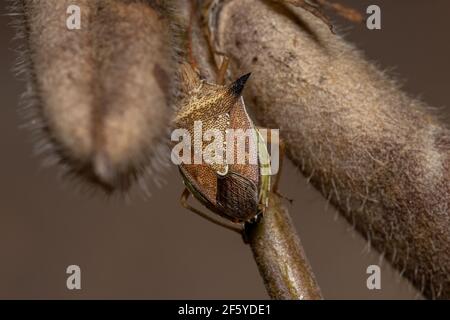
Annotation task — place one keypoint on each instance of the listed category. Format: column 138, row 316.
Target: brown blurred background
column 155, row 249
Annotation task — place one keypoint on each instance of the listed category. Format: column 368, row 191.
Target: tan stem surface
column 377, row 154
column 280, row 257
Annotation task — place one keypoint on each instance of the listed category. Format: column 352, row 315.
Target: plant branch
column 378, row 155
column 279, row 255
column 274, row 242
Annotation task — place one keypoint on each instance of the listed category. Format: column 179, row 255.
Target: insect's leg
column 184, row 202
column 276, row 182
column 208, row 33
column 348, row 13
column 222, row 71
column 281, row 148
column 312, row 7
column 190, row 54
column 280, row 168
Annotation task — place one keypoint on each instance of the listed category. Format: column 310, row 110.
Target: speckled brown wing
column 221, row 123
column 203, row 181
column 238, row 191
column 237, row 196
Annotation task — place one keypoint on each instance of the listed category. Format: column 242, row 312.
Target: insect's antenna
column 346, row 12
column 191, row 58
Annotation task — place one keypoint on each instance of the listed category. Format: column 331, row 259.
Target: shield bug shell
column 235, row 190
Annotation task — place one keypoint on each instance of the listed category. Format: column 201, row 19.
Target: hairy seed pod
column 101, row 94
column 374, row 152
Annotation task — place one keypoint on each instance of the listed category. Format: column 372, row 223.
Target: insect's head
column 203, row 100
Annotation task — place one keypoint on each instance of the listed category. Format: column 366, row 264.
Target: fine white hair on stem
column 381, row 156
column 98, row 99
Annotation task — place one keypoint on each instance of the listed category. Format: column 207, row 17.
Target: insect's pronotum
column 373, row 151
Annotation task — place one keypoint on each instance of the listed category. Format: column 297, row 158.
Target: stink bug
column 239, row 191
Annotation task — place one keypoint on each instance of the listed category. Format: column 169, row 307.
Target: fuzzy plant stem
column 280, row 257
column 116, row 72
column 378, row 155
column 274, row 242
column 94, row 93
column 375, row 153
